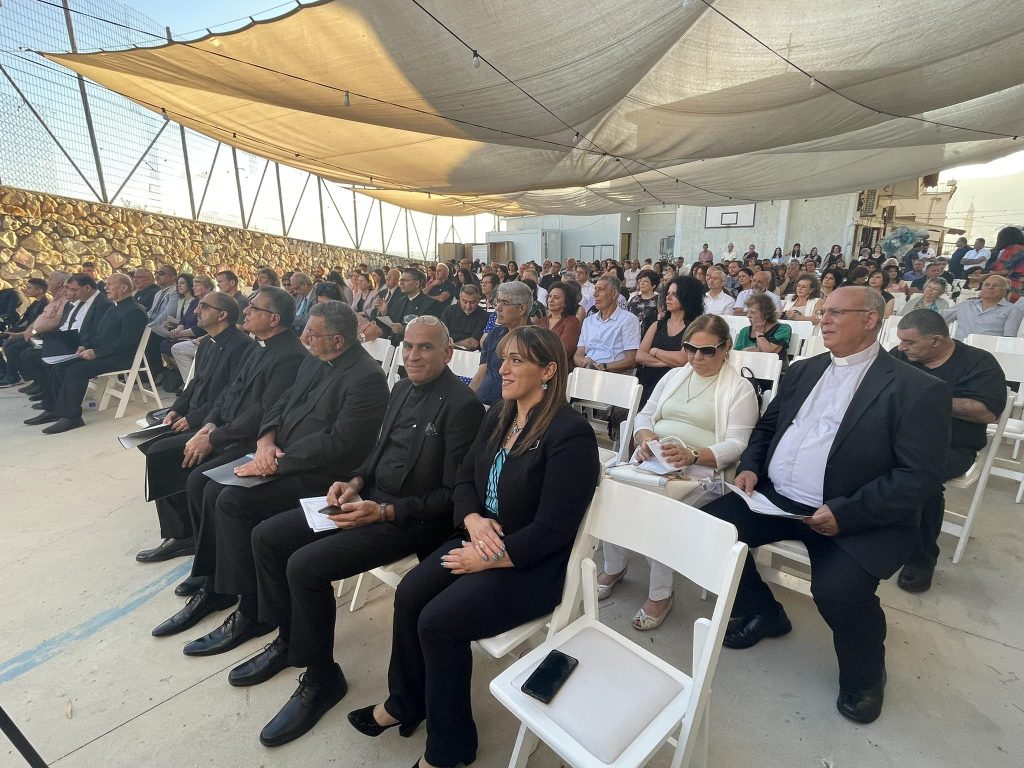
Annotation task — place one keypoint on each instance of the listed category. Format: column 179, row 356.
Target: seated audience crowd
column 486, row 484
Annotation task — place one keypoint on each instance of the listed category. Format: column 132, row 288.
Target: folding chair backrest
column 801, row 331
column 736, row 324
column 764, row 365
column 607, row 388
column 995, row 344
column 380, row 350
column 392, row 371
column 814, row 345
column 465, row 363
column 1012, row 364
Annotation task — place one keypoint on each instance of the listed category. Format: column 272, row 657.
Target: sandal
column 605, row 590
column 643, row 622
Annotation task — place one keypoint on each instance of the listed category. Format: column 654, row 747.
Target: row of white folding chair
column 382, row 351
column 623, row 703
column 800, row 331
column 763, row 365
column 109, row 385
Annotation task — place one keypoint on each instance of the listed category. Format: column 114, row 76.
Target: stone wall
column 40, row 233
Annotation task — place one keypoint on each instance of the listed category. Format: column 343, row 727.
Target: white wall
column 576, row 231
column 655, row 224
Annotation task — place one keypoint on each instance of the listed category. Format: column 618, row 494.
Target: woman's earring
column 544, row 385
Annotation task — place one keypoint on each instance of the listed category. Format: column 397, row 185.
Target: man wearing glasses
column 319, row 430
column 852, row 445
column 412, row 303
column 217, row 363
column 230, row 427
column 511, row 308
column 163, row 305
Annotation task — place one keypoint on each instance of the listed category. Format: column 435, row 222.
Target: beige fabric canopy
column 674, row 101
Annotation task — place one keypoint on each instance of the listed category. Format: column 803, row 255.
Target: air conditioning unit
column 889, row 214
column 867, row 202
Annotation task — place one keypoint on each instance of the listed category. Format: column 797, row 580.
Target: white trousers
column 184, row 353
column 660, row 586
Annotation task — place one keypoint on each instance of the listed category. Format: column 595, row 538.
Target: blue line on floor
column 32, row 658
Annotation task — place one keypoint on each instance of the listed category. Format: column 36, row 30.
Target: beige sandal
column 605, row 590
column 644, row 622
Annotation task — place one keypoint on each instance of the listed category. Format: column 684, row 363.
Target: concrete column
column 783, row 209
column 678, row 242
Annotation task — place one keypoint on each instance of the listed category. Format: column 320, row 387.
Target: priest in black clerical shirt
column 323, row 427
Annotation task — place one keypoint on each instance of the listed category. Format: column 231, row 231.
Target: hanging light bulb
column 345, row 100
column 576, row 138
column 813, row 83
column 476, row 60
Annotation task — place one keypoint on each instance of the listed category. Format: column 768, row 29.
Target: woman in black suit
column 519, row 499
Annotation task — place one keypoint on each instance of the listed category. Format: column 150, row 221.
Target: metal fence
column 64, row 135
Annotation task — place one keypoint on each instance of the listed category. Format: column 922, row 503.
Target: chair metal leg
column 526, row 744
column 359, row 593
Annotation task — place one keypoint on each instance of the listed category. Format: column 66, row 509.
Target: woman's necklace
column 691, row 398
column 515, row 430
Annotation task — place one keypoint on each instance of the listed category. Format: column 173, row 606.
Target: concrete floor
column 89, row 686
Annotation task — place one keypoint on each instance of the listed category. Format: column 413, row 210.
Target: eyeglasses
column 835, row 314
column 261, row 309
column 204, row 305
column 507, row 303
column 322, row 335
column 690, row 349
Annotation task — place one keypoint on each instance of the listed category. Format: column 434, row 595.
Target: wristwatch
column 695, row 454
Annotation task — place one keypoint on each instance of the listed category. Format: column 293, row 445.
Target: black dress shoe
column 235, row 630
column 862, row 706
column 167, row 549
column 364, row 722
column 190, row 586
column 43, row 418
column 311, row 700
column 915, row 578
column 64, row 425
column 30, row 389
column 38, row 406
column 9, row 382
column 468, row 762
column 261, row 667
column 199, row 606
column 36, row 397
column 745, row 631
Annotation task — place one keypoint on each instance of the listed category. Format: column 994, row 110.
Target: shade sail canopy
column 598, row 106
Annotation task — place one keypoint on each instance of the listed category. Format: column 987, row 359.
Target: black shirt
column 446, row 287
column 919, row 283
column 974, row 374
column 391, row 464
column 462, row 326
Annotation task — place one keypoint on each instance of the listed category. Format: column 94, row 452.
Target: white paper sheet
column 55, row 359
column 760, row 503
column 318, row 522
column 133, row 439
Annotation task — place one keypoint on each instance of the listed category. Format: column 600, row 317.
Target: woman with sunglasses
column 520, row 496
column 712, row 409
column 765, row 333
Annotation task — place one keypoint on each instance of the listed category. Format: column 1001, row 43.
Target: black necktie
column 74, row 314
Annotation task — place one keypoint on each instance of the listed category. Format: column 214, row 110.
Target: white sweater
column 735, row 411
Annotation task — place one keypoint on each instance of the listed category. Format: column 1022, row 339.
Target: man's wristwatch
column 695, row 454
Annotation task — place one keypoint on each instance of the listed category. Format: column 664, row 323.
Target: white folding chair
column 598, row 389
column 785, row 563
column 899, row 301
column 960, row 525
column 109, row 385
column 1012, row 363
column 623, row 703
column 465, row 363
column 381, row 350
column 764, row 365
column 736, row 324
column 801, row 331
column 814, row 345
column 392, row 370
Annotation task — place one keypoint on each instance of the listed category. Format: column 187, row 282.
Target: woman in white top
column 805, row 298
column 712, row 409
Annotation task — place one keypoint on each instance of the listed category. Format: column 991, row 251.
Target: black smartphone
column 549, row 676
column 329, row 510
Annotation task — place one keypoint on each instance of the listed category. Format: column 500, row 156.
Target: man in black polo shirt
column 466, row 320
column 979, row 395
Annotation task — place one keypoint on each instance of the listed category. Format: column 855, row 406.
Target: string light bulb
column 576, row 138
column 345, row 100
column 812, row 84
column 476, row 60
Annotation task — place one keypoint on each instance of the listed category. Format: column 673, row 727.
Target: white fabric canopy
column 673, row 101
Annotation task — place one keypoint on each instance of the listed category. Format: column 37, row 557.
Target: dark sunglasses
column 690, row 349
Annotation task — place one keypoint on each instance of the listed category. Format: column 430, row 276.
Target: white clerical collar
column 859, row 358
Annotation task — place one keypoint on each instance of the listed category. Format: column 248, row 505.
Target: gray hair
column 926, row 322
column 516, row 293
column 302, row 278
column 205, row 281
column 339, row 318
column 612, row 281
column 281, row 304
column 470, row 290
column 943, row 285
column 117, row 277
column 874, row 301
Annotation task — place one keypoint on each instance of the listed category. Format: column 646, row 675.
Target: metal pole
column 408, row 246
column 380, row 210
column 137, row 164
column 355, row 218
column 19, row 741
column 238, row 186
column 320, row 197
column 184, row 152
column 85, row 106
column 280, row 197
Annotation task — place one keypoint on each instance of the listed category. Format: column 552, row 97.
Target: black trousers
column 67, row 384
column 436, row 616
column 926, row 548
column 228, row 516
column 32, row 365
column 153, row 356
column 295, row 568
column 13, row 350
column 843, row 591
